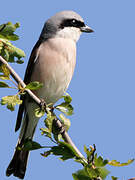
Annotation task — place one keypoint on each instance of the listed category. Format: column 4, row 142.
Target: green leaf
column 7, row 31
column 118, row 164
column 11, row 101
column 49, row 124
column 49, row 121
column 57, row 137
column 4, row 77
column 46, row 153
column 103, row 172
column 30, row 145
column 99, row 162
column 81, row 175
column 88, row 152
column 95, row 167
column 114, row 178
column 9, row 52
column 69, row 151
column 3, row 85
column 6, row 72
column 89, row 173
column 66, row 108
column 92, row 172
column 6, row 53
column 39, row 113
column 64, row 150
column 97, row 172
column 46, row 132
column 19, row 61
column 34, row 85
column 67, row 98
column 65, row 121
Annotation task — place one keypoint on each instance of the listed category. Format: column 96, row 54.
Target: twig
column 13, row 82
column 64, row 134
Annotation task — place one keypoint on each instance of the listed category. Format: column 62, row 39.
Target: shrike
column 52, row 63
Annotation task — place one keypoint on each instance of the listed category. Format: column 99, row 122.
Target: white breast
column 54, row 67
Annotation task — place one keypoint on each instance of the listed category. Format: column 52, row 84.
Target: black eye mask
column 71, row 23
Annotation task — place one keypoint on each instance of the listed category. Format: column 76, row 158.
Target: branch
column 64, row 134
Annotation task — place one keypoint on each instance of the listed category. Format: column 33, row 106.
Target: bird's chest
column 54, row 68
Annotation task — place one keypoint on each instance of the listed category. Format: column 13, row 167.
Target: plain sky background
column 103, row 86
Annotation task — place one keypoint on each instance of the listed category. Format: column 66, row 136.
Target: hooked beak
column 86, row 29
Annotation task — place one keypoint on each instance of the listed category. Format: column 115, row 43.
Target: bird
column 52, row 63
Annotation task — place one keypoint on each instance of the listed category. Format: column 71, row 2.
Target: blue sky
column 102, row 88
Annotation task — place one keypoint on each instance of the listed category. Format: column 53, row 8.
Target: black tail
column 18, row 164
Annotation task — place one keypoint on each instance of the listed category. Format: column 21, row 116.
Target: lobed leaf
column 46, row 153
column 67, row 98
column 49, row 126
column 81, row 175
column 68, row 151
column 9, row 52
column 118, row 164
column 30, row 145
column 64, row 150
column 11, row 101
column 49, row 121
column 39, row 113
column 100, row 162
column 88, row 152
column 66, row 108
column 89, row 173
column 103, row 172
column 46, row 132
column 35, row 85
column 19, row 61
column 5, row 70
column 7, row 31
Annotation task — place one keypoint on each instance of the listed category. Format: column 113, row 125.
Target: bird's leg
column 43, row 105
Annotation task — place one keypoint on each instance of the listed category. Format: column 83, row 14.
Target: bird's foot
column 43, row 105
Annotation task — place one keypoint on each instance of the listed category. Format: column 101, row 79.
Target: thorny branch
column 64, row 134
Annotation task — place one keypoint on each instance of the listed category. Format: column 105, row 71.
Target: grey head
column 65, row 24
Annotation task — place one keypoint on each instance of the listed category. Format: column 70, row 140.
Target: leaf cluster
column 66, row 106
column 63, row 149
column 7, row 50
column 94, row 168
column 12, row 100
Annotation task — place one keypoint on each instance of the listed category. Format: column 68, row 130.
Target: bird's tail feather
column 18, row 164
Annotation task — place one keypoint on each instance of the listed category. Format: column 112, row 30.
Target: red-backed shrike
column 52, row 63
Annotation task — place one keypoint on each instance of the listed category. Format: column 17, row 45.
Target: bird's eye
column 73, row 21
column 76, row 23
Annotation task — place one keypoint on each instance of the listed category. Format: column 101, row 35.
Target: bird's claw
column 43, row 105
